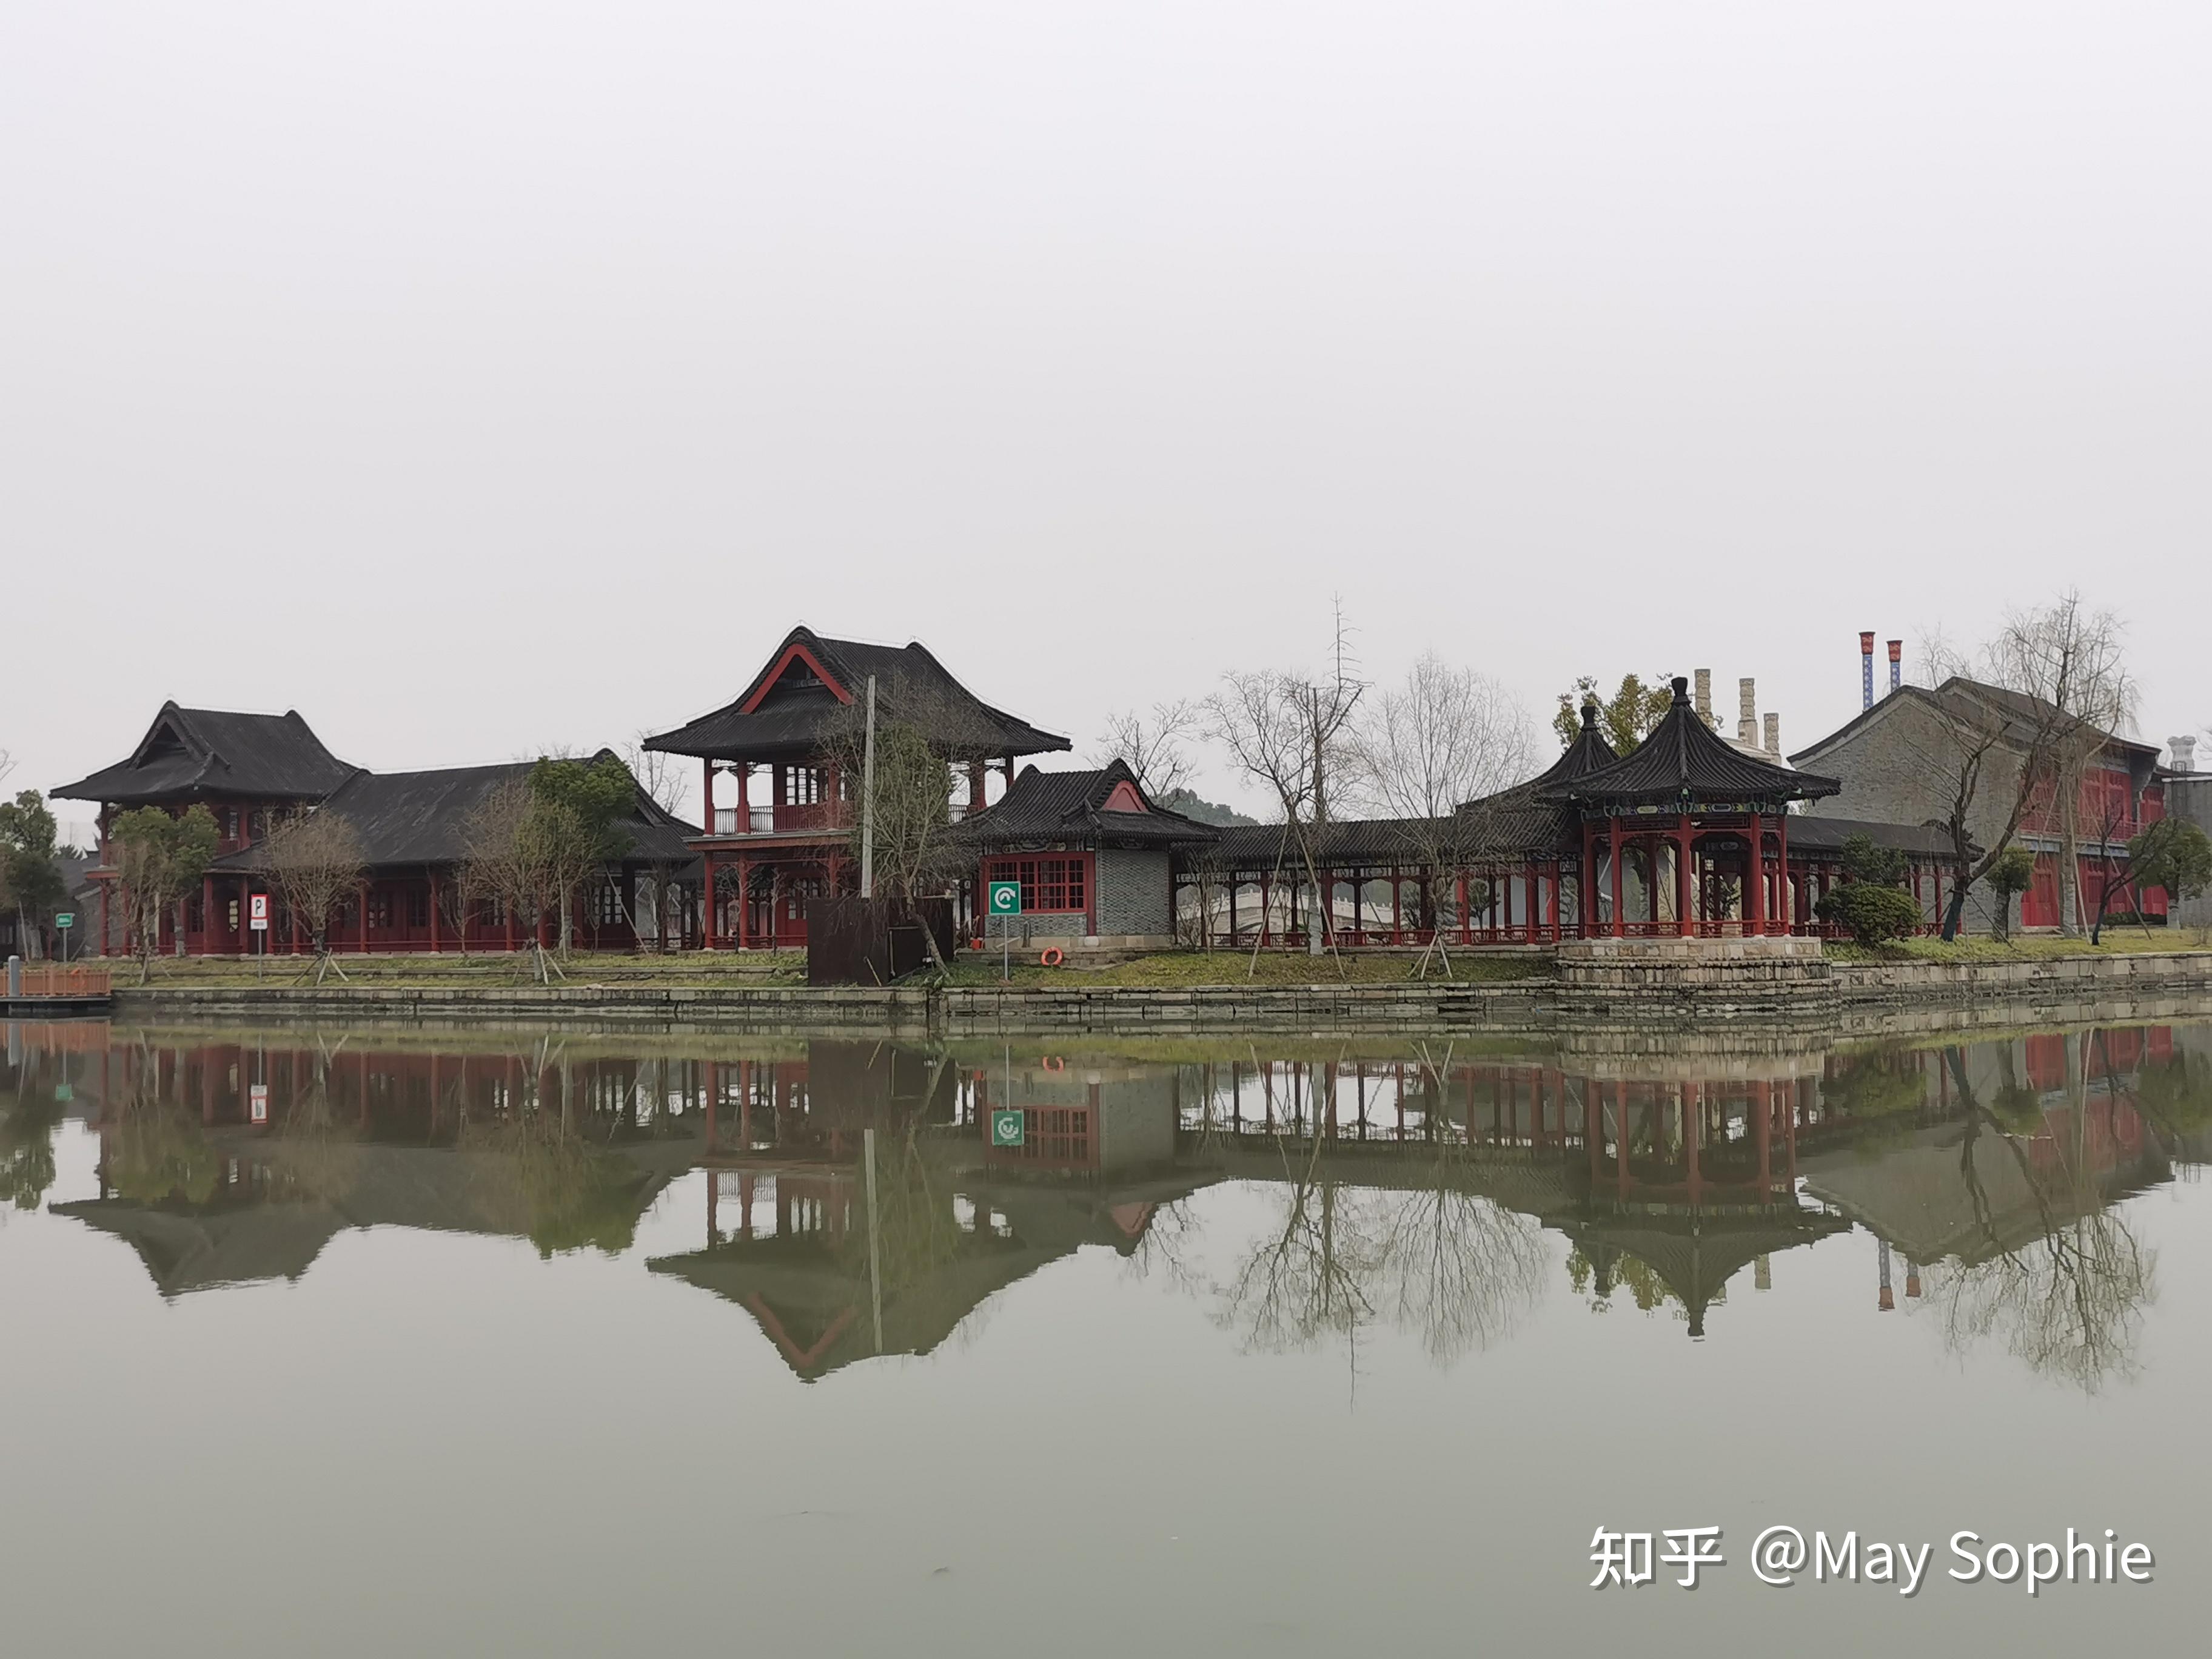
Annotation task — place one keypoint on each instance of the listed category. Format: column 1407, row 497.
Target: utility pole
column 868, row 800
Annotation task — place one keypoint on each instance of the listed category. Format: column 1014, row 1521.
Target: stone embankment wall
column 1616, row 990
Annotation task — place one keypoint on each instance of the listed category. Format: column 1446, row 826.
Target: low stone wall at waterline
column 1601, row 985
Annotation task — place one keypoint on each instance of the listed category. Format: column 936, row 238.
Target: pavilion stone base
column 1712, row 974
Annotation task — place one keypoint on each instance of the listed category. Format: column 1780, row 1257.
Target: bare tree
column 908, row 816
column 1289, row 734
column 1155, row 745
column 1432, row 754
column 505, row 859
column 657, row 773
column 314, row 858
column 2014, row 733
column 2068, row 659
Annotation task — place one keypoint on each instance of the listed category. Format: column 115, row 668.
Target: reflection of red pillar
column 1763, row 1097
column 1694, row 1123
column 1593, row 1126
column 1913, row 1280
column 1620, row 1134
column 713, row 1115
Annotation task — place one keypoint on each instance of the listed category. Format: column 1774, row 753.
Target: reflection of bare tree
column 1437, row 1259
column 2067, row 1300
column 1306, row 1279
column 1462, row 1270
column 321, row 1153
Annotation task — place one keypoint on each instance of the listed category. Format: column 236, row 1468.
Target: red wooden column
column 1754, row 879
column 1587, row 893
column 433, row 882
column 1785, row 903
column 1619, row 921
column 1551, row 905
column 707, row 937
column 745, row 798
column 207, row 915
column 709, row 795
column 1686, row 916
column 103, row 918
column 361, row 905
column 745, row 890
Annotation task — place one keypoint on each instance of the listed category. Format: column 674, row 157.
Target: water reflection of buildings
column 853, row 1209
column 224, row 1163
column 853, row 1206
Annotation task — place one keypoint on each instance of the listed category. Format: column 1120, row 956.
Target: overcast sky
column 476, row 377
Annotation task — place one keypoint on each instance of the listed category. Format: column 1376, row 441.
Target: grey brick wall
column 1135, row 893
column 1902, row 768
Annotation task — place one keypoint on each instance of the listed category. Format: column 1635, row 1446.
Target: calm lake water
column 389, row 1342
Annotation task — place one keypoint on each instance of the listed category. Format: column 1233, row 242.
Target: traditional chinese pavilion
column 783, row 838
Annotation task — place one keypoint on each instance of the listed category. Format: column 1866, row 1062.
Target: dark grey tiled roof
column 1685, row 760
column 188, row 753
column 1068, row 807
column 802, row 718
column 408, row 819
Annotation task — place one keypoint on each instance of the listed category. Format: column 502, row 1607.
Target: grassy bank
column 2036, row 947
column 728, row 970
column 1188, row 970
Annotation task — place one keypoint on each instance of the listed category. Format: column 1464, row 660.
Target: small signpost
column 257, row 919
column 1008, row 1127
column 63, row 920
column 257, row 1103
column 1003, row 902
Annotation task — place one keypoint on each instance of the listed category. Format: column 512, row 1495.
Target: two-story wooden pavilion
column 246, row 768
column 783, row 840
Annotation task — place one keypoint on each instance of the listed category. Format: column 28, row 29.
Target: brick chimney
column 2185, row 753
column 1774, row 736
column 1704, row 696
column 1746, row 711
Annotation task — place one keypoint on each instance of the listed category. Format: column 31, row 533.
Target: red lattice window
column 1050, row 885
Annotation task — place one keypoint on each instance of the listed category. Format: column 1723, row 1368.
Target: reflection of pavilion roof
column 1916, row 1197
column 817, row 1309
column 1696, row 1254
column 185, row 1250
column 425, row 1188
column 817, row 1312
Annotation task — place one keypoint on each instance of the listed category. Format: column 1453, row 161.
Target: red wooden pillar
column 1785, row 900
column 1551, row 904
column 1754, row 879
column 744, row 893
column 707, row 934
column 207, row 917
column 745, row 798
column 1685, row 917
column 434, row 946
column 709, row 796
column 1267, row 911
column 361, row 901
column 103, row 918
column 1619, row 921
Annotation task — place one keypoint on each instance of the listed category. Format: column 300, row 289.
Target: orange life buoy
column 1053, row 957
column 1055, row 1063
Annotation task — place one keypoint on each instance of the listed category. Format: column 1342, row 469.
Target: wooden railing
column 54, row 980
